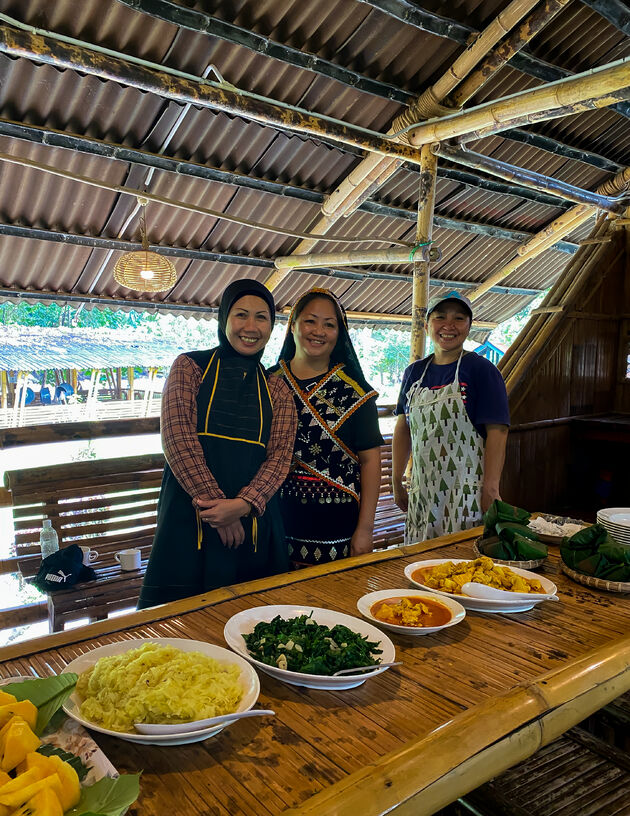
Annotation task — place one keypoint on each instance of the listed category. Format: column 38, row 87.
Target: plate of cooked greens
column 305, row 645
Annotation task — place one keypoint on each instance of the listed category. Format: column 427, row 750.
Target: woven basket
column 596, row 583
column 527, row 565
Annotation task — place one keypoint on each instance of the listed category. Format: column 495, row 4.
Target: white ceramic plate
column 248, row 679
column 619, row 516
column 479, row 604
column 243, row 624
column 365, row 604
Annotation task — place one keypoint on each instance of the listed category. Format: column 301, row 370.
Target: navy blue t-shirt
column 481, row 386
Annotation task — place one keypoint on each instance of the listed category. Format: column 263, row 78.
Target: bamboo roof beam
column 528, row 178
column 373, row 171
column 410, row 14
column 558, row 228
column 159, row 161
column 202, row 93
column 232, row 259
column 424, row 233
column 597, row 88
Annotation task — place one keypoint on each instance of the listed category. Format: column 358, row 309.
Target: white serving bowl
column 243, row 624
column 365, row 604
column 248, row 679
column 484, row 604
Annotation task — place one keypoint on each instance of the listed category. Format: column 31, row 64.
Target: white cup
column 89, row 556
column 128, row 559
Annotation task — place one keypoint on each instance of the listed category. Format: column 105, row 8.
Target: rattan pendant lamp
column 142, row 270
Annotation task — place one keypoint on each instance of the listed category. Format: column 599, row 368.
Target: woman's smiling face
column 316, row 329
column 248, row 326
column 449, row 325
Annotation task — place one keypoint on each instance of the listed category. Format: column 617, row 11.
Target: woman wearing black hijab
column 329, row 499
column 227, row 434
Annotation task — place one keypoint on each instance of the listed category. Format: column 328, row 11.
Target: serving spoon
column 341, row 672
column 198, row 725
column 488, row 593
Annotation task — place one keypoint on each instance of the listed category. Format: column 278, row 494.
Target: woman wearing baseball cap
column 453, row 422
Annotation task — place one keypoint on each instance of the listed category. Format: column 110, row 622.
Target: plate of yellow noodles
column 446, row 577
column 159, row 680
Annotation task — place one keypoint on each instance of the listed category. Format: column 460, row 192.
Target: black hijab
column 344, row 350
column 235, row 291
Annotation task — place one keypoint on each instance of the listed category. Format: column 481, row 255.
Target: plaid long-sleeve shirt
column 184, row 453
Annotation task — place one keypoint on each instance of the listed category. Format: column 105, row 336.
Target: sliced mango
column 24, row 709
column 35, row 760
column 71, row 786
column 6, row 698
column 44, row 803
column 15, row 744
column 22, row 781
column 4, row 778
column 19, row 797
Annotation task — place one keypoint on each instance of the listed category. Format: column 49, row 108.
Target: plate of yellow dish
column 410, row 612
column 445, row 577
column 159, row 680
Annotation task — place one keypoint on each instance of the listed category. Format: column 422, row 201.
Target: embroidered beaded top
column 336, row 419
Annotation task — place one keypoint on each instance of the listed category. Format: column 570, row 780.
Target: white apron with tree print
column 447, row 462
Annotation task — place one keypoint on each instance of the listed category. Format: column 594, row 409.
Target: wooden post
column 74, row 380
column 119, row 383
column 3, row 377
column 424, row 231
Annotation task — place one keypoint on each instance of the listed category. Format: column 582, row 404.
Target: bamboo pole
column 424, row 232
column 381, row 256
column 545, row 239
column 521, row 35
column 427, row 773
column 374, row 170
column 481, row 45
column 205, row 94
column 3, row 378
column 526, row 178
column 597, row 88
column 590, row 260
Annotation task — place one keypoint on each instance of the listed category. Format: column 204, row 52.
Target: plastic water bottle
column 48, row 540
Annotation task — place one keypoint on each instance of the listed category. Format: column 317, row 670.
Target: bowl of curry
column 410, row 612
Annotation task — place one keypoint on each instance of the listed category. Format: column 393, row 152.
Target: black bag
column 63, row 569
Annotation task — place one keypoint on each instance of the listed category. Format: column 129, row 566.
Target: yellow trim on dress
column 255, row 533
column 260, row 429
column 232, row 438
column 199, row 528
column 214, row 388
column 343, row 376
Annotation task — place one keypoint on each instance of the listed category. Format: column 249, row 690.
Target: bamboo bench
column 111, row 505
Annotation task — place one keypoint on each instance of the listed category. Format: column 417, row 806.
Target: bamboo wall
column 580, row 371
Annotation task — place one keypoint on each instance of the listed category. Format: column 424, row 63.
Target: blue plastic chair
column 63, row 391
column 44, row 395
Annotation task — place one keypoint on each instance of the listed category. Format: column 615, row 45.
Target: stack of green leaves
column 506, row 535
column 593, row 551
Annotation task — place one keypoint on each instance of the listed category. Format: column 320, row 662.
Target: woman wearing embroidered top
column 453, row 422
column 329, row 498
column 227, row 433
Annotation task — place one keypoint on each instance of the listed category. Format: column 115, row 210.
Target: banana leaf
column 502, row 511
column 506, row 530
column 518, row 549
column 592, row 551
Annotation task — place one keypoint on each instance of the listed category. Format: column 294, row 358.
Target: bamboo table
column 466, row 704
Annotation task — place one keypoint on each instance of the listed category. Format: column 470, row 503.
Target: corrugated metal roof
column 40, row 348
column 349, row 33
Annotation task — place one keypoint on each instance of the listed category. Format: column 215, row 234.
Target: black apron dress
column 234, row 413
